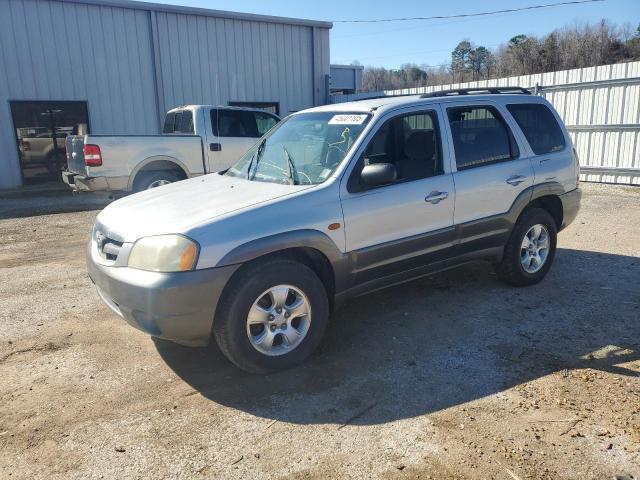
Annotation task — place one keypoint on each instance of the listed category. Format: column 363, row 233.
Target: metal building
column 116, row 66
column 345, row 79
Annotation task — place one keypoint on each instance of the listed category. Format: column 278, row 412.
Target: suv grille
column 109, row 248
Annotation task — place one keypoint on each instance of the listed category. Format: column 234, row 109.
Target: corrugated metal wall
column 216, row 60
column 132, row 63
column 599, row 105
column 62, row 51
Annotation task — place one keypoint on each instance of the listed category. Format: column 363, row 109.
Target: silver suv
column 334, row 202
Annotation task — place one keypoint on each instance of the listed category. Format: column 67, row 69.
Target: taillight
column 26, row 146
column 92, row 155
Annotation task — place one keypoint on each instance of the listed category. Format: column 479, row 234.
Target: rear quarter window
column 539, row 126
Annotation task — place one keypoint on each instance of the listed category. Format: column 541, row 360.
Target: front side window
column 409, row 142
column 304, row 149
column 480, row 137
column 241, row 123
column 234, row 123
column 539, row 126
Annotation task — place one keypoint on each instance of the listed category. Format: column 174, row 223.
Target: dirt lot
column 455, row 376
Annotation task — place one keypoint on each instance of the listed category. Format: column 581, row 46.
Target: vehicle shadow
column 438, row 342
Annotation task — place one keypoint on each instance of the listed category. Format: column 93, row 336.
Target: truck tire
column 530, row 250
column 272, row 315
column 153, row 179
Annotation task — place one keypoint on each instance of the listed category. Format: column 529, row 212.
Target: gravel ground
column 452, row 376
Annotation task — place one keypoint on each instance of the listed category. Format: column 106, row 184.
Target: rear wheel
column 154, row 179
column 272, row 316
column 531, row 249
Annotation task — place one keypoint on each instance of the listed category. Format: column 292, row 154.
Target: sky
column 427, row 42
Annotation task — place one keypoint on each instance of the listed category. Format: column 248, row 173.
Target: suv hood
column 176, row 207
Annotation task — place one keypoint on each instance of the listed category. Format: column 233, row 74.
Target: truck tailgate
column 75, row 157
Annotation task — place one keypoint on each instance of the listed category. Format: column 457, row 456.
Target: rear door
column 490, row 172
column 234, row 132
column 553, row 160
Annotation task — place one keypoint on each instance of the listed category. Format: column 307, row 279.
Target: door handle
column 215, row 147
column 515, row 180
column 435, row 197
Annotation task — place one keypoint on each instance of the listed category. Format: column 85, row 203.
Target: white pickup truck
column 196, row 139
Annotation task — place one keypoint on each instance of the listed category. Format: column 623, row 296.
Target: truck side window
column 186, row 123
column 169, row 122
column 539, row 127
column 480, row 137
column 234, row 123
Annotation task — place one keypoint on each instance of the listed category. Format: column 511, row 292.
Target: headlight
column 164, row 253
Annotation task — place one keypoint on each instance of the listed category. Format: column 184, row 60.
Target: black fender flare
column 305, row 238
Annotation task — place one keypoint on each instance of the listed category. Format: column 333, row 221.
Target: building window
column 41, row 130
column 271, row 107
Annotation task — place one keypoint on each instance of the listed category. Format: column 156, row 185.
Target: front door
column 407, row 223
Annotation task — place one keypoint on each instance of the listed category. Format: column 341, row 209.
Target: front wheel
column 272, row 315
column 530, row 250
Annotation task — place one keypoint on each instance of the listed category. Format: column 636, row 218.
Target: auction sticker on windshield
column 347, row 119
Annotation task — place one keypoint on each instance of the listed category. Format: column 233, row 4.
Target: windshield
column 303, row 150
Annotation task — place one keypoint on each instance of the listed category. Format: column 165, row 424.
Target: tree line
column 569, row 47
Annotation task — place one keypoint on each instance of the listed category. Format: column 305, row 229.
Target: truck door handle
column 215, row 147
column 435, row 197
column 515, row 180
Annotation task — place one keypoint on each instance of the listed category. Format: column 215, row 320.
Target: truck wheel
column 530, row 250
column 272, row 316
column 154, row 179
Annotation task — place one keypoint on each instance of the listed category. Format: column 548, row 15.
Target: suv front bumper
column 174, row 306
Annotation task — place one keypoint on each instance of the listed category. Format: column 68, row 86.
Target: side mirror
column 378, row 174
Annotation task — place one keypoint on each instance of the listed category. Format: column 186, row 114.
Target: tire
column 512, row 269
column 146, row 180
column 250, row 284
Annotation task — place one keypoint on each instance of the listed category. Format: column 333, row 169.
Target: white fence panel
column 599, row 105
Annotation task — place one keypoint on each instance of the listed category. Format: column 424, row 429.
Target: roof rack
column 478, row 90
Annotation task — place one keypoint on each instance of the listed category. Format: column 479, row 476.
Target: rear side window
column 237, row 123
column 169, row 121
column 178, row 122
column 480, row 137
column 539, row 126
column 186, row 123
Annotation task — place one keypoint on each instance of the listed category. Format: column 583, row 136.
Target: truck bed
column 123, row 155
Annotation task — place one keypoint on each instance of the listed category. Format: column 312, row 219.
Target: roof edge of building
column 157, row 7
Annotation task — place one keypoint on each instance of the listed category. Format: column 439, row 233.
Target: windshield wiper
column 256, row 156
column 293, row 172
